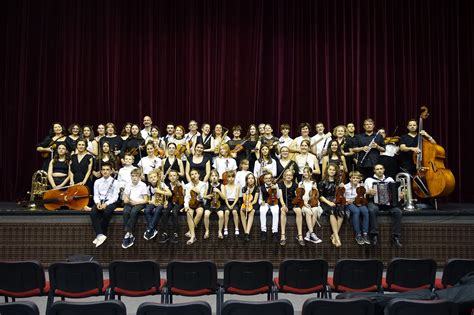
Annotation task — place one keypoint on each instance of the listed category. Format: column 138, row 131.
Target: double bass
column 431, row 171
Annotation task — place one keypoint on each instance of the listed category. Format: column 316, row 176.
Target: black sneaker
column 276, row 238
column 359, row 240
column 153, row 233
column 247, row 237
column 263, row 236
column 374, row 240
column 147, row 234
column 174, row 238
column 366, row 240
column 396, row 242
column 128, row 241
column 164, row 238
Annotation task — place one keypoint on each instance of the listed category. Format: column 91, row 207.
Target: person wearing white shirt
column 320, row 141
column 265, row 206
column 265, row 163
column 124, row 178
column 150, row 162
column 169, row 132
column 106, row 194
column 395, row 212
column 199, row 188
column 224, row 162
column 242, row 174
column 358, row 211
column 146, row 131
column 135, row 197
column 193, row 134
column 285, row 140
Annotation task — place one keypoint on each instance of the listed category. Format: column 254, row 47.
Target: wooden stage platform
column 53, row 236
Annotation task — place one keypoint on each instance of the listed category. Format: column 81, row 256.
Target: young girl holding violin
column 334, row 156
column 198, row 162
column 193, row 204
column 214, row 204
column 231, row 192
column 74, row 135
column 149, row 163
column 304, row 159
column 310, row 208
column 265, row 163
column 224, row 162
column 105, row 156
column 269, row 201
column 249, row 200
column 288, row 193
column 49, row 145
column 172, row 163
column 58, row 169
column 327, row 191
column 242, row 173
column 357, row 205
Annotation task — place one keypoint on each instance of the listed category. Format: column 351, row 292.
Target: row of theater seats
column 196, row 278
column 313, row 306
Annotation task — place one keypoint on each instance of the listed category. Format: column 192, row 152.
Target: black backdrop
column 234, row 62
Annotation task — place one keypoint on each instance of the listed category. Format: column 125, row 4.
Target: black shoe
column 276, row 239
column 247, row 237
column 366, row 240
column 164, row 238
column 396, row 242
column 373, row 240
column 263, row 236
column 174, row 238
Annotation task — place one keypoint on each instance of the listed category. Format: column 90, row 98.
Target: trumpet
column 405, row 180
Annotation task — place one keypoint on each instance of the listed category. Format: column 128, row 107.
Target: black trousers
column 130, row 216
column 101, row 218
column 395, row 212
column 169, row 219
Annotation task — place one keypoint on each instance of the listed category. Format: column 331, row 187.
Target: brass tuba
column 39, row 184
column 405, row 180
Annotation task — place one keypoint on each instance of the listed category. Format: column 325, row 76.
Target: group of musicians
column 339, row 174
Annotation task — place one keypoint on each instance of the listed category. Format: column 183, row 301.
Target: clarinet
column 108, row 190
column 371, row 142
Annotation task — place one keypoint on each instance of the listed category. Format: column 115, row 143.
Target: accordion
column 386, row 194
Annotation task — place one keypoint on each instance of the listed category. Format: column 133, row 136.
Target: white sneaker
column 237, row 232
column 95, row 240
column 307, row 237
column 100, row 240
column 314, row 239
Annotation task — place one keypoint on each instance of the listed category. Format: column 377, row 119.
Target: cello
column 431, row 171
column 75, row 197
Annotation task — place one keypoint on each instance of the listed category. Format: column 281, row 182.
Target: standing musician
column 88, row 136
column 183, row 148
column 305, row 159
column 169, row 132
column 334, row 155
column 172, row 163
column 288, row 190
column 358, row 211
column 193, row 135
column 205, row 139
column 261, row 130
column 327, row 190
column 126, row 131
column 158, row 143
column 146, row 131
column 320, row 141
column 409, row 146
column 304, row 129
column 48, row 146
column 231, row 192
column 311, row 213
column 134, row 144
column 80, row 169
column 252, row 139
column 219, row 138
column 106, row 195
column 149, row 163
column 285, row 140
column 58, row 169
column 115, row 141
column 249, row 201
column 169, row 221
column 105, row 156
column 389, row 158
column 214, row 204
column 237, row 141
column 159, row 193
column 268, row 139
column 265, row 163
column 396, row 213
column 368, row 145
column 75, row 131
column 285, row 163
column 268, row 202
column 224, row 162
column 199, row 188
column 95, row 144
column 198, row 162
column 349, row 144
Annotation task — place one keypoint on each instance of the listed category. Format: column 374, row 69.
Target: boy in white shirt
column 135, row 197
column 124, row 176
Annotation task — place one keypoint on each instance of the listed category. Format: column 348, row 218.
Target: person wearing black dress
column 198, row 162
column 349, row 143
column 285, row 163
column 252, row 136
column 288, row 193
column 205, row 139
column 134, row 144
column 49, row 145
column 81, row 167
column 58, row 168
column 172, row 163
column 75, row 132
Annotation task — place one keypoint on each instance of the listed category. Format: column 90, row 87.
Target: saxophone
column 405, row 185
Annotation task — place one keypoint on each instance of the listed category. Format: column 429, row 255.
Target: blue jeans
column 356, row 213
column 152, row 215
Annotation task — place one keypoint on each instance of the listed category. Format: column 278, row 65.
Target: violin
column 194, row 202
column 314, row 198
column 360, row 199
column 272, row 199
column 75, row 197
column 391, row 140
column 239, row 147
column 340, row 191
column 298, row 200
column 215, row 203
column 433, row 179
column 181, row 148
column 247, row 205
column 52, row 145
column 178, row 195
column 160, row 152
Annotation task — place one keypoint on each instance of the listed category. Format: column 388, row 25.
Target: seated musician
column 231, row 192
column 268, row 202
column 311, row 214
column 199, row 188
column 374, row 206
column 214, row 204
column 135, row 197
column 249, row 200
column 159, row 193
column 288, row 190
column 358, row 211
column 106, row 194
column 169, row 220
